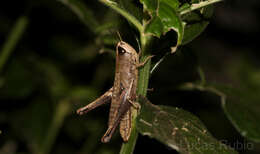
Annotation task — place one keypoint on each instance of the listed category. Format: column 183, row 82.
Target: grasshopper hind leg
column 123, row 110
column 104, row 99
column 125, row 126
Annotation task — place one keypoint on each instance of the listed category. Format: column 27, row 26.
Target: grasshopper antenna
column 118, row 34
column 139, row 47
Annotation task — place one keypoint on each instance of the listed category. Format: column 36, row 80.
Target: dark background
column 57, row 61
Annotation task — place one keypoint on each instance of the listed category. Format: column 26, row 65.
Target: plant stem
column 198, row 6
column 143, row 71
column 13, row 38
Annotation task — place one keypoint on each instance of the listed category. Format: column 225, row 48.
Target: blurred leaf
column 62, row 110
column 19, row 81
column 53, row 78
column 71, row 50
column 245, row 71
column 92, row 139
column 243, row 111
column 32, row 122
column 164, row 17
column 83, row 12
column 177, row 129
column 241, row 108
column 12, row 40
column 120, row 10
column 82, row 94
column 39, row 125
column 240, row 101
column 132, row 7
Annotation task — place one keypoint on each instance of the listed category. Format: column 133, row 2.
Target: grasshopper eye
column 121, row 50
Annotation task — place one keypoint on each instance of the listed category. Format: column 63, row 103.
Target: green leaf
column 196, row 23
column 241, row 108
column 240, row 103
column 164, row 17
column 177, row 129
column 196, row 4
column 242, row 111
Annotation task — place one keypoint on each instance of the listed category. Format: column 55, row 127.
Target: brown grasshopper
column 122, row 95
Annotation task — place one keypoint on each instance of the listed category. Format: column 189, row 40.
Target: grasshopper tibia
column 104, row 99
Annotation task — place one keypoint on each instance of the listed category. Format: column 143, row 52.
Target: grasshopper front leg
column 104, row 99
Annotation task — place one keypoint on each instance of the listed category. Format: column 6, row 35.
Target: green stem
column 125, row 14
column 61, row 112
column 12, row 40
column 144, row 72
column 198, row 6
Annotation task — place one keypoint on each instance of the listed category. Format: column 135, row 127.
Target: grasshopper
column 123, row 93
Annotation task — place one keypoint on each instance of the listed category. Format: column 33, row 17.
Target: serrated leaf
column 177, row 129
column 164, row 17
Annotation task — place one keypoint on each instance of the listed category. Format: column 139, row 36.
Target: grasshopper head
column 125, row 50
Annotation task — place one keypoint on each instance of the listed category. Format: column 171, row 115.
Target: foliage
column 43, row 87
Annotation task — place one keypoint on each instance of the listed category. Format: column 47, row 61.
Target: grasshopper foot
column 82, row 111
column 144, row 62
column 136, row 105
